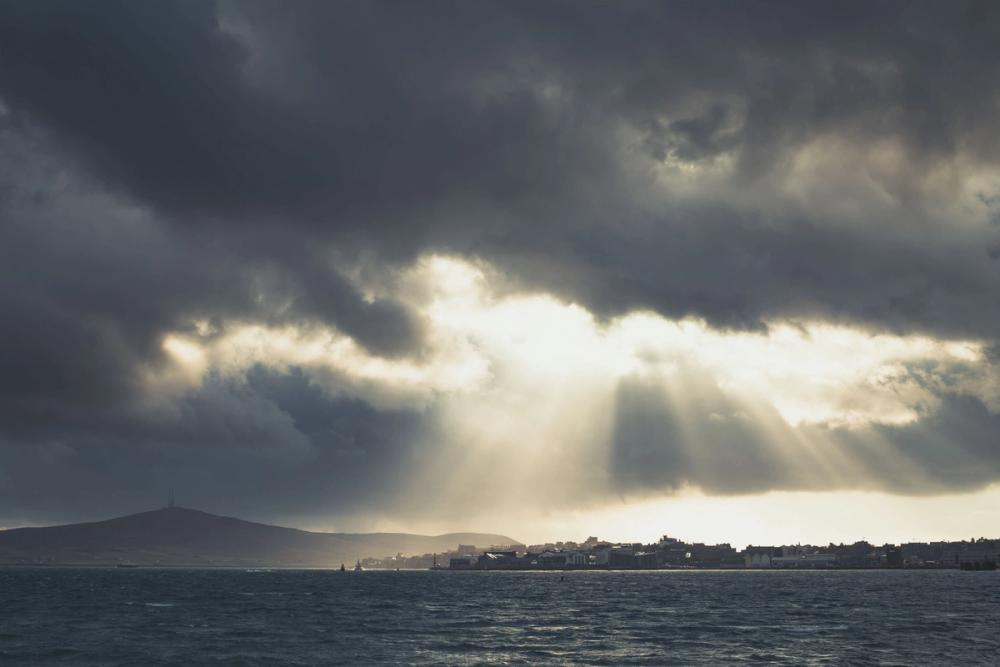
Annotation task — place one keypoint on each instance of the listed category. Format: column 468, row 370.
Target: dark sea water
column 223, row 617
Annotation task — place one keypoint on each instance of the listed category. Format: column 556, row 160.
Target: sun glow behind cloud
column 526, row 390
column 770, row 518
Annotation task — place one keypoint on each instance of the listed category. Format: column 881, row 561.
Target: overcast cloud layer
column 217, row 225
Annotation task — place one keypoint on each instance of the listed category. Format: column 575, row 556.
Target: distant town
column 672, row 553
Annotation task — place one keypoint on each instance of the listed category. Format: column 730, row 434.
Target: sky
column 728, row 271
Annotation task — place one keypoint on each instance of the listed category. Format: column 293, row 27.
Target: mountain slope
column 180, row 536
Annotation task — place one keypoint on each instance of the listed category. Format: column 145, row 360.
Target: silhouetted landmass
column 180, row 536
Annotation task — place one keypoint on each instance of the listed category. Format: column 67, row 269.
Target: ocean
column 64, row 616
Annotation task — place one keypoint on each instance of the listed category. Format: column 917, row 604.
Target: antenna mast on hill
column 170, row 498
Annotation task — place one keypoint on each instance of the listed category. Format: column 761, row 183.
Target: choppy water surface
column 181, row 617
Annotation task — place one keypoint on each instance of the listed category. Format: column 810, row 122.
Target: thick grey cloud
column 495, row 129
column 270, row 445
column 167, row 162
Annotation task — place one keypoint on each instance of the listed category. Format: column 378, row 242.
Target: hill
column 181, row 536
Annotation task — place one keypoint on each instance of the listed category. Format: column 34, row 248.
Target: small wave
column 159, row 604
column 813, row 628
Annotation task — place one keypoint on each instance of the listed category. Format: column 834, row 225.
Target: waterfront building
column 972, row 554
column 462, row 563
column 759, row 557
column 804, row 560
column 552, row 559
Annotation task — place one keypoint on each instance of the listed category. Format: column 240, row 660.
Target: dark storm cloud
column 298, row 453
column 738, row 273
column 181, row 131
column 165, row 162
column 490, row 128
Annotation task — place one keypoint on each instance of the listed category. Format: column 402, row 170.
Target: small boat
column 128, row 565
column 358, row 568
